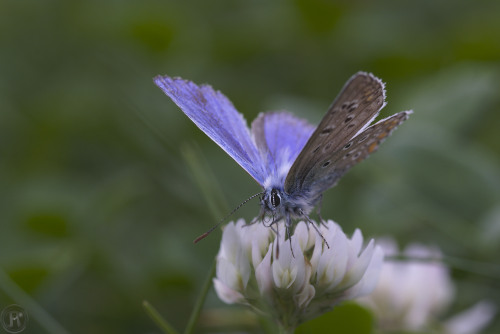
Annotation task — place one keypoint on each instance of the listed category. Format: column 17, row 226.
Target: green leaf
column 346, row 318
column 51, row 224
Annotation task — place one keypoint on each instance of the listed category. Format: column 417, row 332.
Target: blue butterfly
column 293, row 161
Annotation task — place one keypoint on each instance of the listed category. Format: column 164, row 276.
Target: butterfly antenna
column 204, row 235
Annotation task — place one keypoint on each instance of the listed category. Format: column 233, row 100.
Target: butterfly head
column 272, row 200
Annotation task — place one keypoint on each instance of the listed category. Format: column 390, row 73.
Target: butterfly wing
column 327, row 173
column 351, row 112
column 280, row 137
column 216, row 116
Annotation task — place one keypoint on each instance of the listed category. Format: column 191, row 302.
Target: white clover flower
column 305, row 280
column 411, row 295
column 472, row 320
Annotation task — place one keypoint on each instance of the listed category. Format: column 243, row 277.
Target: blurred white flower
column 298, row 286
column 472, row 320
column 412, row 294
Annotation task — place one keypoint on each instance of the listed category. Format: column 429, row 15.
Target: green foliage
column 346, row 318
column 100, row 199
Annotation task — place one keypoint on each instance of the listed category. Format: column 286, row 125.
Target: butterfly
column 293, row 161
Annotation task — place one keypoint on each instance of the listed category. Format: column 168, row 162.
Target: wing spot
column 351, row 125
column 316, row 149
column 362, row 139
column 383, row 135
column 326, row 164
column 356, row 155
column 327, row 147
column 348, row 118
column 350, row 106
column 370, row 95
column 349, row 144
column 326, row 131
column 372, row 147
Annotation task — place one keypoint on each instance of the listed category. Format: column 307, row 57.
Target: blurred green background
column 104, row 181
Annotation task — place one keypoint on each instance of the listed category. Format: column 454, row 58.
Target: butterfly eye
column 275, row 198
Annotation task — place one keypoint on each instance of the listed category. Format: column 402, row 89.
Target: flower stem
column 285, row 330
column 201, row 300
column 11, row 289
column 165, row 326
column 158, row 319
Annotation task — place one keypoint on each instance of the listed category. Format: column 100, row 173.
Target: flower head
column 411, row 295
column 305, row 280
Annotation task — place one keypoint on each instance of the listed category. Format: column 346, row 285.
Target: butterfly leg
column 313, row 224
column 318, row 211
column 260, row 217
column 288, row 227
column 276, row 231
column 267, row 221
column 270, row 222
column 255, row 220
